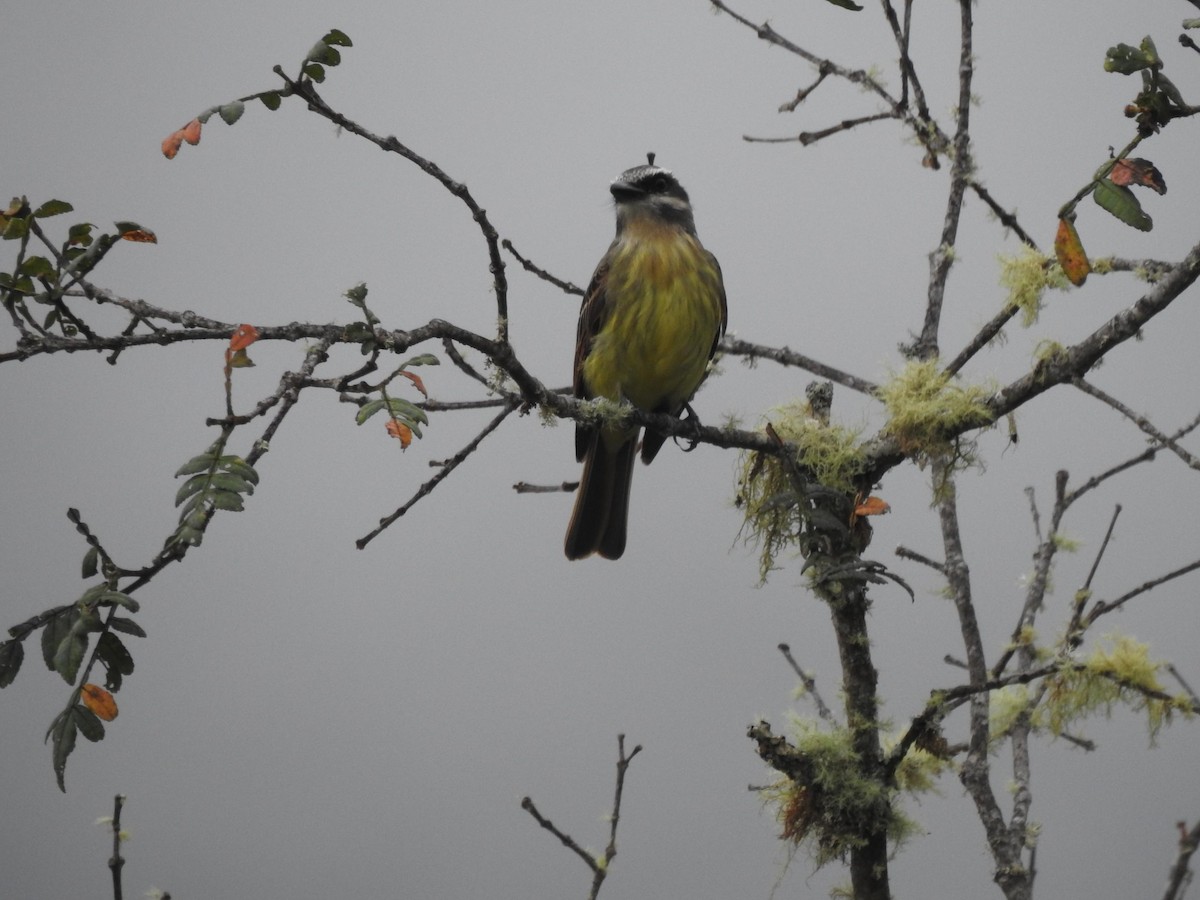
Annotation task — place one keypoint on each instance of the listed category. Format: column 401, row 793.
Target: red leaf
column 243, row 337
column 140, row 236
column 172, row 143
column 191, row 132
column 1138, row 171
column 416, row 380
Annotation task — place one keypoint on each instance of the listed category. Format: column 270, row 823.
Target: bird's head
column 648, row 191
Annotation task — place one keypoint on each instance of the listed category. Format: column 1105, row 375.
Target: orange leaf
column 872, row 506
column 191, row 132
column 1069, row 250
column 99, row 701
column 243, row 337
column 416, row 380
column 140, row 236
column 398, row 429
column 172, row 143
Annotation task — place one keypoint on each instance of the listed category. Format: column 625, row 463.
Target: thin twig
column 810, row 684
column 449, row 466
column 1181, row 872
column 567, row 287
column 599, row 865
column 1143, row 424
column 905, row 553
column 116, row 862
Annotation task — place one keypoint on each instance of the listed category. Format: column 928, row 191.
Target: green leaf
column 126, row 626
column 314, row 71
column 1126, row 60
column 324, row 54
column 58, row 627
column 52, row 208
column 201, row 463
column 337, row 38
column 116, row 598
column 88, row 723
column 1168, row 87
column 122, row 227
column 15, row 229
column 193, row 485
column 227, row 481
column 188, row 536
column 235, row 465
column 80, row 234
column 90, row 562
column 62, row 733
column 12, row 654
column 357, row 294
column 402, row 408
column 231, row 112
column 227, row 500
column 37, row 267
column 368, row 409
column 271, row 100
column 425, row 359
column 114, row 654
column 845, row 4
column 1121, row 202
column 68, row 656
column 1191, row 23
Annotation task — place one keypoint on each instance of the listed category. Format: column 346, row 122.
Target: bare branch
column 810, row 684
column 788, row 357
column 599, row 865
column 1144, row 424
column 904, row 553
column 568, row 287
column 940, row 260
column 444, row 472
column 1181, row 871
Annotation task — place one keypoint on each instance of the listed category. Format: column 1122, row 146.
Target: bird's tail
column 602, row 503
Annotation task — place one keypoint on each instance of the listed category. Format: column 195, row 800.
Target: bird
column 650, row 321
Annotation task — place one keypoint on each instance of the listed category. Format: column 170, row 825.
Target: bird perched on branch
column 650, row 322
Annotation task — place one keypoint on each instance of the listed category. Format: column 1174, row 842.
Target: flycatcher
column 650, row 322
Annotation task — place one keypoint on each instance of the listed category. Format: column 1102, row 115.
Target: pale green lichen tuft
column 1119, row 671
column 927, row 409
column 836, row 806
column 1026, row 276
column 830, row 454
column 1066, row 544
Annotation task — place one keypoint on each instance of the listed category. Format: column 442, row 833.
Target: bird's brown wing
column 592, row 314
column 724, row 305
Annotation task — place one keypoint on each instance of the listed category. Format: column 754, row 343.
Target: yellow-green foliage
column 1118, row 671
column 830, row 454
column 837, row 807
column 925, row 406
column 603, row 411
column 1005, row 706
column 1049, row 351
column 918, row 771
column 1026, row 276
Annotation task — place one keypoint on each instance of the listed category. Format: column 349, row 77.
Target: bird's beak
column 623, row 190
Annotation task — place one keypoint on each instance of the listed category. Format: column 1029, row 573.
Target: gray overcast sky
column 308, row 720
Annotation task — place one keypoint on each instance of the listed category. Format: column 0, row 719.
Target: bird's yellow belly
column 665, row 314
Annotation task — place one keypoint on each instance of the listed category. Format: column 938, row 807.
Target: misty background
column 309, row 720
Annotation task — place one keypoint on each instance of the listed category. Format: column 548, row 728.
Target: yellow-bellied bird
column 650, row 322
